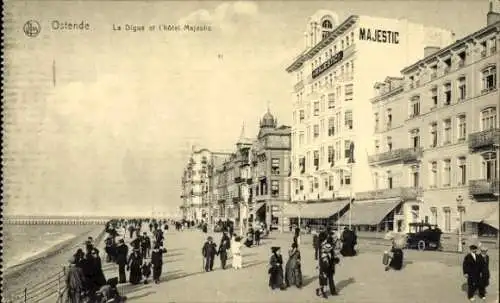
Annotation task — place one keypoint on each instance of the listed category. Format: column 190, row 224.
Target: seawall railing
column 53, row 287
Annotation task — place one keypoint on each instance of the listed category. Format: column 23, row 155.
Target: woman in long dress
column 135, row 264
column 293, row 271
column 236, row 252
column 276, row 269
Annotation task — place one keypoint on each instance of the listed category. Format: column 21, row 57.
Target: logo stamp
column 32, row 28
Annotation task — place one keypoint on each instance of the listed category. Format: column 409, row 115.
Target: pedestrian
column 315, row 243
column 293, row 272
column 296, row 236
column 75, row 281
column 485, row 277
column 209, row 251
column 257, row 236
column 473, row 269
column 98, row 275
column 121, row 260
column 145, row 245
column 275, row 270
column 146, row 271
column 157, row 261
column 327, row 263
column 236, row 253
column 223, row 247
column 134, row 264
column 396, row 257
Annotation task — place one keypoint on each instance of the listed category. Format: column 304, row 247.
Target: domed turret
column 268, row 120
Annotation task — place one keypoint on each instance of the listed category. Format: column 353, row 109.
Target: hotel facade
column 332, row 116
column 437, row 131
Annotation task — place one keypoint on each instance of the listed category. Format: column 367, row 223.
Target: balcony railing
column 484, row 187
column 405, row 193
column 402, row 154
column 484, row 139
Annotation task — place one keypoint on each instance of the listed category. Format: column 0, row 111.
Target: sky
column 113, row 135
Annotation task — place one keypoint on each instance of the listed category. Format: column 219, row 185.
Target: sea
column 22, row 242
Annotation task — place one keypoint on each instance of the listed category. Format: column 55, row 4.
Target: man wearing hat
column 121, row 260
column 209, row 251
column 473, row 269
column 485, row 277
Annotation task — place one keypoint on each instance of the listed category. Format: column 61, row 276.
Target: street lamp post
column 350, row 197
column 460, row 211
column 497, row 185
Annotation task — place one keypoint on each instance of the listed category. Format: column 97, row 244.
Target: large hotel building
column 437, row 128
column 332, row 116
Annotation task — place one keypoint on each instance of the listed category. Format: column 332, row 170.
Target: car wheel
column 421, row 245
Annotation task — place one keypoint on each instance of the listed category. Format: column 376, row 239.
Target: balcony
column 405, row 193
column 484, row 139
column 238, row 179
column 402, row 154
column 297, row 87
column 484, row 187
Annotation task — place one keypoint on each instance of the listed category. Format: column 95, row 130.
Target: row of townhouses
column 393, row 123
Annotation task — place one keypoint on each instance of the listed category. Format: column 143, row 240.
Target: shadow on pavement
column 175, row 249
column 141, row 296
column 128, row 288
column 250, row 254
column 174, row 255
column 178, row 274
column 406, row 263
column 308, row 280
column 344, row 283
column 173, row 260
column 253, row 263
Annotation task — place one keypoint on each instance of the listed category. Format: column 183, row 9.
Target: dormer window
column 447, row 65
column 461, row 56
column 327, row 24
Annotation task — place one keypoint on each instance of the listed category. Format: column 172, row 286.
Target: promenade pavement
column 427, row 277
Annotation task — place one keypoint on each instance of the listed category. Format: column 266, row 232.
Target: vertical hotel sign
column 327, row 64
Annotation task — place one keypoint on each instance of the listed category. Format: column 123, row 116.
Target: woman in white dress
column 236, row 252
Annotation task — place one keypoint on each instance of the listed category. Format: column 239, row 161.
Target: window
column 275, row 166
column 330, row 183
column 489, row 79
column 327, row 24
column 462, row 89
column 434, row 97
column 490, row 167
column 447, row 219
column 347, row 41
column 389, row 179
column 415, row 106
column 302, row 164
column 316, row 130
column 347, row 179
column 347, row 148
column 389, row 118
column 462, row 171
column 415, row 137
column 376, row 122
column 316, row 159
column 446, row 172
column 434, row 134
column 331, row 127
column 488, row 118
column 316, row 108
column 447, row 131
column 301, row 115
column 462, row 128
column 316, row 183
column 348, row 92
column 275, row 188
column 433, row 175
column 331, row 100
column 447, row 93
column 348, row 119
column 415, row 176
column 389, row 143
column 331, row 155
column 462, row 57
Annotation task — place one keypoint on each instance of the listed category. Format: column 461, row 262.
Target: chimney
column 492, row 17
column 429, row 50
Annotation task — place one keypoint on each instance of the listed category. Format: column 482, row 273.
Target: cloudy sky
column 113, row 134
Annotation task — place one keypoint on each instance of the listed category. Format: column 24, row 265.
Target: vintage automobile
column 424, row 236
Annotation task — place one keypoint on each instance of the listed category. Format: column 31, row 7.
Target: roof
column 322, row 44
column 454, row 45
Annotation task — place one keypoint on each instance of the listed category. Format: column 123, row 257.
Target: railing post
column 25, row 295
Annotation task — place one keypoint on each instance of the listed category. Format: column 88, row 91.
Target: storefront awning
column 485, row 212
column 369, row 212
column 258, row 206
column 478, row 211
column 316, row 210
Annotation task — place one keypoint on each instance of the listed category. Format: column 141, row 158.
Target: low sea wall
column 35, row 270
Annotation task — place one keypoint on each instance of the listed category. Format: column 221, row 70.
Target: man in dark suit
column 473, row 268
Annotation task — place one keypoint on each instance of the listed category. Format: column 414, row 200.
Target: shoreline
column 50, row 261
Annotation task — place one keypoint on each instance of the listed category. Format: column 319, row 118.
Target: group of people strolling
column 476, row 269
column 210, row 250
